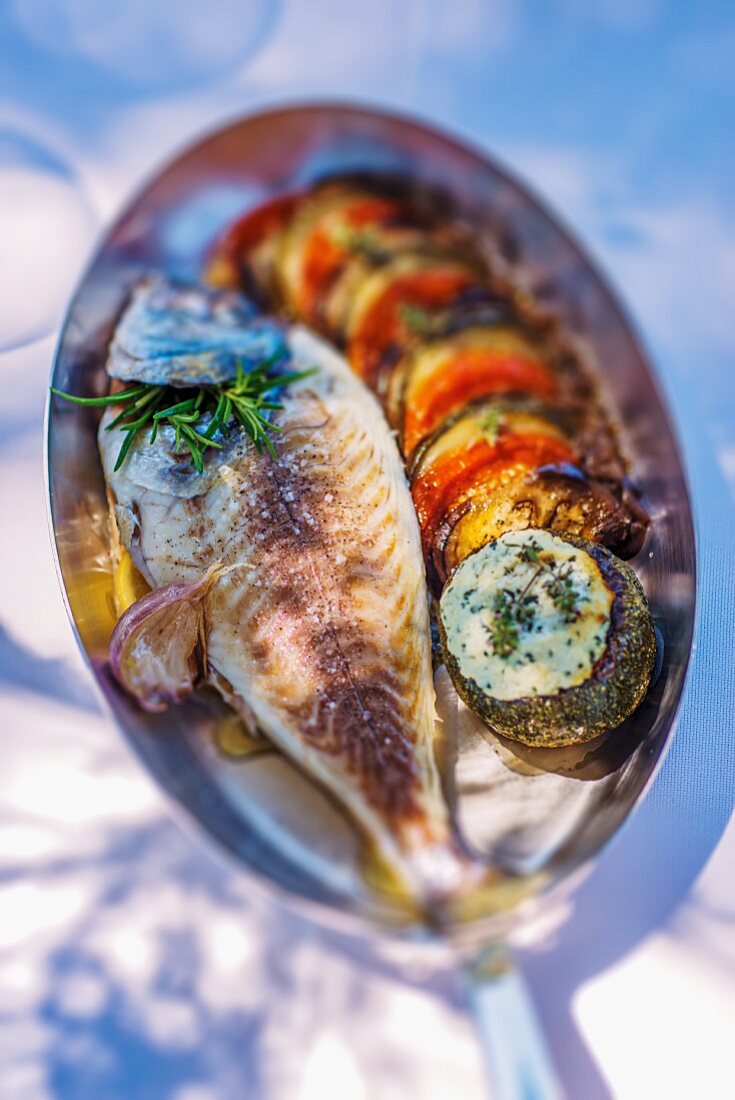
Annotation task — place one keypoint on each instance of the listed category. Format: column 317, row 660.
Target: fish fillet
column 302, row 580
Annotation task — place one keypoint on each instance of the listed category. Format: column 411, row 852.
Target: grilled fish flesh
column 296, row 587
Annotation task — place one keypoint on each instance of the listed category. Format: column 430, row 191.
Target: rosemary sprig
column 198, row 414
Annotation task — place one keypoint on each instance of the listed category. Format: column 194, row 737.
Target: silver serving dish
column 542, row 816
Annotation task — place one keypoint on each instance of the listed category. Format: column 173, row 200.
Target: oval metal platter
column 540, row 815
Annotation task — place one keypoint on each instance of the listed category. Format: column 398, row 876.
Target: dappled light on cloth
column 132, row 966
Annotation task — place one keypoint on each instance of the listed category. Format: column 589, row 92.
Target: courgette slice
column 388, row 310
column 343, row 226
column 548, row 639
column 489, row 421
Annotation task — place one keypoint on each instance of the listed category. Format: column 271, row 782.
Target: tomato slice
column 323, row 257
column 371, row 210
column 244, row 238
column 464, row 474
column 252, row 229
column 327, row 250
column 384, row 323
column 469, row 374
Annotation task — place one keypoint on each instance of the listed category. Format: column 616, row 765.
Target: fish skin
column 173, row 334
column 317, row 623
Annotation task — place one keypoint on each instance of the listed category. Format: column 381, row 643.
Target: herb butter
column 527, row 615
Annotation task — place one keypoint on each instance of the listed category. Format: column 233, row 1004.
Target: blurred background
column 132, row 966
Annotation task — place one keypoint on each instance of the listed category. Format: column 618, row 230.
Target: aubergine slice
column 464, row 473
column 548, row 639
column 503, row 464
column 560, row 497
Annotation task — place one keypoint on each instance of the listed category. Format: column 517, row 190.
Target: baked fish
column 295, row 585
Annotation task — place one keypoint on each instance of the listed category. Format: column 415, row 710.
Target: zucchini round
column 392, row 307
column 548, row 639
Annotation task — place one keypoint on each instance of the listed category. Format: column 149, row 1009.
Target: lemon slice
column 130, row 584
column 233, row 739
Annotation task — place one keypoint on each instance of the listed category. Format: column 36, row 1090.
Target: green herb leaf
column 514, row 611
column 360, row 241
column 419, row 320
column 491, row 424
column 563, row 594
column 198, row 414
column 505, row 629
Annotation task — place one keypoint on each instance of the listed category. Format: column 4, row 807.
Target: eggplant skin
column 565, row 498
column 617, row 685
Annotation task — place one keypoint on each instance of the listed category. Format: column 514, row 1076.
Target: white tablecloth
column 130, row 964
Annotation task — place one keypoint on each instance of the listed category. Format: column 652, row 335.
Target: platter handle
column 518, row 1061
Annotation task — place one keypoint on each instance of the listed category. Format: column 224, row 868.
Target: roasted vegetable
column 392, row 307
column 502, row 465
column 442, row 376
column 245, row 255
column 309, row 253
column 340, row 226
column 470, row 467
column 549, row 639
column 430, row 328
